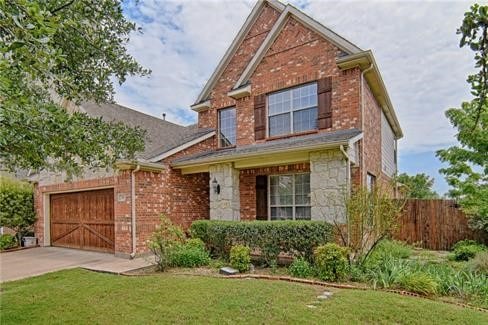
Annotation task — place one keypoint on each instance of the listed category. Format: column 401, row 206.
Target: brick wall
column 371, row 142
column 247, row 185
column 297, row 56
column 244, row 54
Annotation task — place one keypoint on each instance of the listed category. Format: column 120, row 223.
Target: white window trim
column 292, row 206
column 218, row 126
column 292, row 131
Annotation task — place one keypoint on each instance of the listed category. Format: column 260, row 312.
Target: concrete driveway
column 36, row 261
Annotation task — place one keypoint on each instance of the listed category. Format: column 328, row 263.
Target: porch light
column 215, row 186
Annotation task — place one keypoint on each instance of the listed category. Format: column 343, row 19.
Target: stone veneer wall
column 226, row 205
column 328, row 185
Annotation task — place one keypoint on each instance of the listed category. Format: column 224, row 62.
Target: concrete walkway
column 36, row 261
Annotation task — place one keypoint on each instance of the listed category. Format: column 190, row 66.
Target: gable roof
column 235, row 45
column 306, row 20
column 161, row 135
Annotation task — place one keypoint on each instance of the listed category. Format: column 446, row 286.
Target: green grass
column 83, row 297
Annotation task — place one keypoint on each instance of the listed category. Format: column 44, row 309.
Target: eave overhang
column 200, row 107
column 142, row 165
column 262, row 158
column 366, row 62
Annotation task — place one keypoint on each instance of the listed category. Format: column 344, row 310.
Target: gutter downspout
column 362, row 116
column 133, row 209
column 348, row 185
column 348, row 170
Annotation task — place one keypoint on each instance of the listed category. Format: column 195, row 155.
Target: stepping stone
column 228, row 271
column 325, row 295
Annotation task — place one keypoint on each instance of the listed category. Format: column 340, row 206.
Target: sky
column 414, row 43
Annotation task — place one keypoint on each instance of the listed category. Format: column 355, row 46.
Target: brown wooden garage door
column 83, row 220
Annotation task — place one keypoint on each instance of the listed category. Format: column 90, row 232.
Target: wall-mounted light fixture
column 215, row 186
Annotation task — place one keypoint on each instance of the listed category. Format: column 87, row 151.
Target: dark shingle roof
column 161, row 135
column 272, row 146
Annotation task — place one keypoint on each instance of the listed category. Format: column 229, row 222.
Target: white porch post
column 328, row 183
column 226, row 204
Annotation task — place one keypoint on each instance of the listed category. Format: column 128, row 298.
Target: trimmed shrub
column 190, row 254
column 331, row 262
column 16, row 205
column 466, row 249
column 240, row 257
column 418, row 282
column 7, row 241
column 300, row 268
column 298, row 238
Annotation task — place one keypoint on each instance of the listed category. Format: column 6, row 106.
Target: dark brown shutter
column 259, row 117
column 324, row 93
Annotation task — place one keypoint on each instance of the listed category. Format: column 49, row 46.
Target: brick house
column 292, row 117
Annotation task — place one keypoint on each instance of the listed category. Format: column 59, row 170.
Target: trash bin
column 29, row 241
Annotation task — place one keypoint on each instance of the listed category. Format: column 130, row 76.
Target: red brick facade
column 298, row 55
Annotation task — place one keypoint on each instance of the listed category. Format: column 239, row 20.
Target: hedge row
column 298, row 238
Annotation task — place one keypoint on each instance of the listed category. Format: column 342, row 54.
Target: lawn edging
column 316, row 282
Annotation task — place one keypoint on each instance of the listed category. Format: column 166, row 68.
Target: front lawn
column 80, row 296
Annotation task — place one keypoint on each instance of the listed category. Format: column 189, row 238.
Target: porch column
column 328, row 183
column 226, row 204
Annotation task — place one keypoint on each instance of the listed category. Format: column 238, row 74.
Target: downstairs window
column 289, row 197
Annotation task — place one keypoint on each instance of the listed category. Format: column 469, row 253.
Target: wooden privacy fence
column 434, row 224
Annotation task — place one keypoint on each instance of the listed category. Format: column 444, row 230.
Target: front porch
column 304, row 178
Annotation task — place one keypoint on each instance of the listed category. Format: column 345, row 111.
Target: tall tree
column 467, row 172
column 69, row 49
column 418, row 186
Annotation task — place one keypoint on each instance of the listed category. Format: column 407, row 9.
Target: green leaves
column 418, row 186
column 72, row 50
column 16, row 205
column 467, row 170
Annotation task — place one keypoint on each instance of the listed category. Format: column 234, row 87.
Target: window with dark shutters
column 324, row 93
column 260, row 117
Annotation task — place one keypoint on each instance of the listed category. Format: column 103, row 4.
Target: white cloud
column 415, row 45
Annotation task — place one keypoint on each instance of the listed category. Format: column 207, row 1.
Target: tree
column 418, row 186
column 371, row 215
column 68, row 49
column 467, row 172
column 16, row 206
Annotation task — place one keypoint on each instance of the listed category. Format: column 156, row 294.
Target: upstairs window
column 227, row 127
column 293, row 110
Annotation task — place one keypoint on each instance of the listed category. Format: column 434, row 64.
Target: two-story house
column 291, row 119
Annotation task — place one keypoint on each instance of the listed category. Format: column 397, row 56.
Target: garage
column 83, row 220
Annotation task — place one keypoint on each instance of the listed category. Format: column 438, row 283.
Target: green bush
column 7, row 241
column 300, row 268
column 298, row 238
column 240, row 257
column 464, row 250
column 331, row 262
column 164, row 241
column 418, row 282
column 479, row 263
column 465, row 242
column 386, row 249
column 190, row 254
column 195, row 243
column 16, row 205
